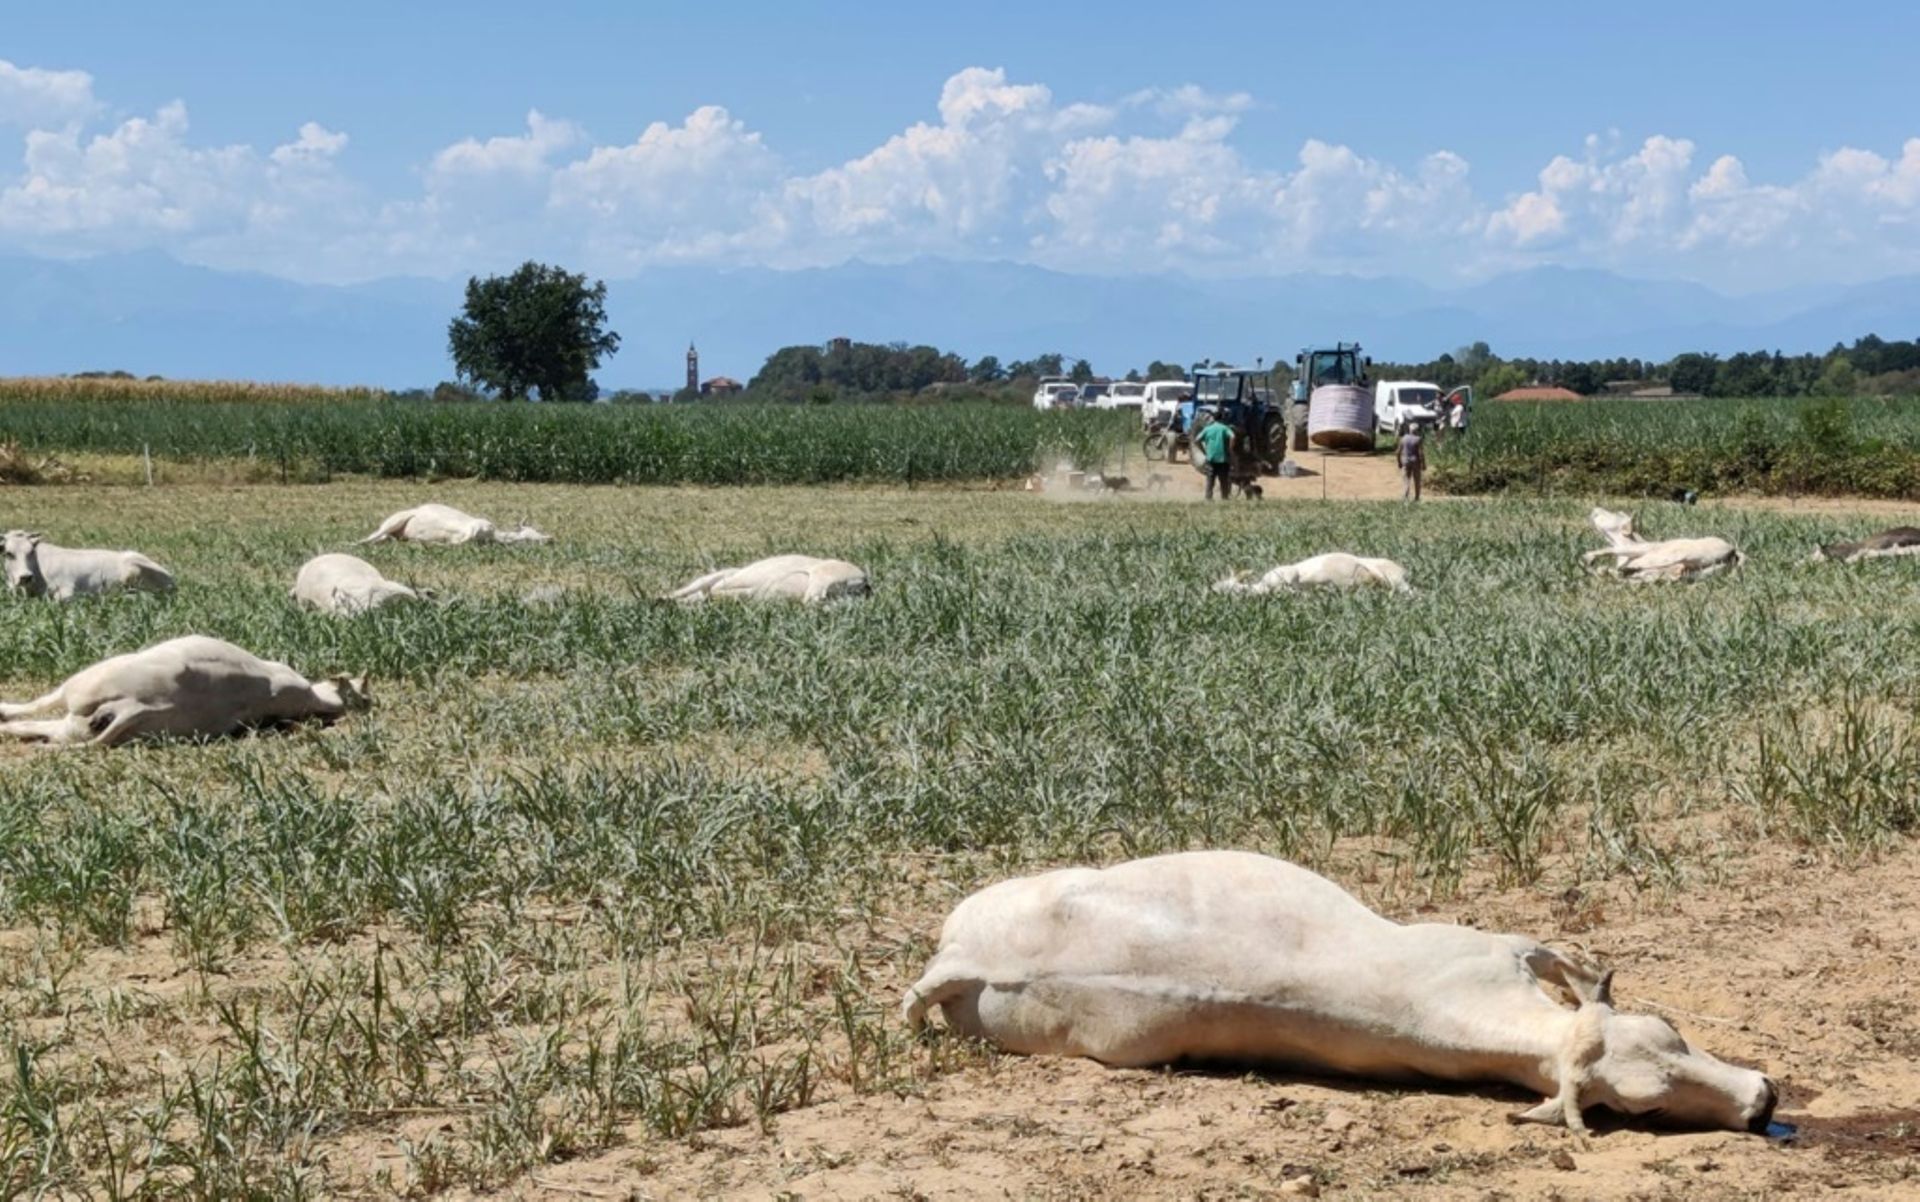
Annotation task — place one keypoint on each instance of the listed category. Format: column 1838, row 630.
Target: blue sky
column 1749, row 147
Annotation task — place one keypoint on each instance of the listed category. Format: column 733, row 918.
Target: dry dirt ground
column 1328, row 476
column 1807, row 968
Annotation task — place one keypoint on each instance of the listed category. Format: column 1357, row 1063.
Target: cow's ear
column 1603, row 990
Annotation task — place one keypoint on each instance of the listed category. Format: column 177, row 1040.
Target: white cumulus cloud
column 36, row 98
column 997, row 168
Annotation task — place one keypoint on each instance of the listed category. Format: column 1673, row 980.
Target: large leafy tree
column 540, row 328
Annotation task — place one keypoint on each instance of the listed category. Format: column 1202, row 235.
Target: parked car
column 1125, row 394
column 1055, row 392
column 1091, row 395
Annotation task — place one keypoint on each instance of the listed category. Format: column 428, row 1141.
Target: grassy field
column 597, row 873
column 1867, row 447
column 298, row 441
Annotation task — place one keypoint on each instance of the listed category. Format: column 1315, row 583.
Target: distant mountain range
column 148, row 314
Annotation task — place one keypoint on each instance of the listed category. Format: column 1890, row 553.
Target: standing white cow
column 184, row 688
column 1334, row 570
column 445, row 524
column 1672, row 559
column 1229, row 956
column 39, row 569
column 346, row 585
column 800, row 577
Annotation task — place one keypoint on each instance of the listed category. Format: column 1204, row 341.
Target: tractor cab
column 1342, row 363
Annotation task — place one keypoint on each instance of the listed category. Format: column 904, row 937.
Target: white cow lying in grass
column 1228, row 956
column 1673, row 559
column 346, row 585
column 445, row 524
column 800, row 577
column 1898, row 541
column 40, row 569
column 193, row 687
column 1335, row 570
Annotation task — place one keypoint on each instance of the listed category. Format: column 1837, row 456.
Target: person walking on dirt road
column 1412, row 455
column 1216, row 440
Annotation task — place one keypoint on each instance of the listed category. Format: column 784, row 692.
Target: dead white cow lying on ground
column 40, row 569
column 1672, row 559
column 445, row 524
column 1900, row 540
column 799, row 577
column 1334, row 570
column 1229, row 956
column 192, row 687
column 345, row 585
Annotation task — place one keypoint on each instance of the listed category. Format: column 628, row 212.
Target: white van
column 1123, row 394
column 1400, row 404
column 1162, row 398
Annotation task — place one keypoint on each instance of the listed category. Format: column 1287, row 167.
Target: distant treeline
column 845, row 370
column 1872, row 366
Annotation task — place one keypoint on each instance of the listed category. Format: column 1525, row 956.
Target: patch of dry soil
column 1808, row 969
column 1330, row 476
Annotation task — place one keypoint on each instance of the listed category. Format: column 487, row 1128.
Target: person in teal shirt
column 1216, row 440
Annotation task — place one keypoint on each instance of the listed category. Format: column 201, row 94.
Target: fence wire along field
column 600, row 878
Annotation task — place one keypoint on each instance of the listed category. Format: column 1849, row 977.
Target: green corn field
column 1862, row 447
column 733, row 444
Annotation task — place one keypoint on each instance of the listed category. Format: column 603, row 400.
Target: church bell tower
column 693, row 369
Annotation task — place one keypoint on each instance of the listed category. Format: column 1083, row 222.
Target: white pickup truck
column 1055, row 392
column 1161, row 399
column 1399, row 404
column 1123, row 394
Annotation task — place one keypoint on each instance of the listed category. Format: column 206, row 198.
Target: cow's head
column 1616, row 528
column 1637, row 1064
column 350, row 693
column 23, row 563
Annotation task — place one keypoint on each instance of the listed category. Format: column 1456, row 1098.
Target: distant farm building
column 1540, row 394
column 722, row 386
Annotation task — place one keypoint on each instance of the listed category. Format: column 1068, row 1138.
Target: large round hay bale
column 1340, row 418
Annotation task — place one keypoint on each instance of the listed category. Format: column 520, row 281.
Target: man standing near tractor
column 1411, row 451
column 1216, row 440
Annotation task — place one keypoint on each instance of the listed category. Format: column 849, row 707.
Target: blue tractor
column 1241, row 398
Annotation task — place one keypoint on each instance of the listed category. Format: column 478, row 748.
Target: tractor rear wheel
column 1273, row 444
column 1195, row 454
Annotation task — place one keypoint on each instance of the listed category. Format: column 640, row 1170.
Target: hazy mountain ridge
column 149, row 314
